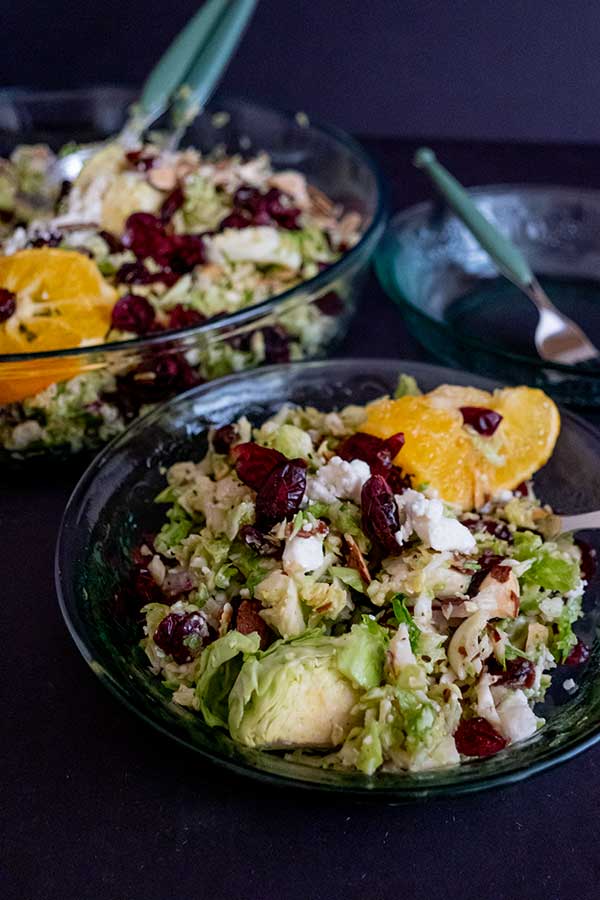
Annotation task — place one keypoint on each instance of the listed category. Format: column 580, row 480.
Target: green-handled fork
column 557, row 338
column 183, row 80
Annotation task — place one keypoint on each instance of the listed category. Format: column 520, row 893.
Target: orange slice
column 442, row 452
column 62, row 301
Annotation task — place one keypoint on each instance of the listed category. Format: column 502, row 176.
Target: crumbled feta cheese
column 570, row 686
column 517, row 719
column 262, row 244
column 339, row 480
column 551, row 608
column 303, row 554
column 426, row 518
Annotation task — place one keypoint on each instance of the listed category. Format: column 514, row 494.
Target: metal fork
column 557, row 338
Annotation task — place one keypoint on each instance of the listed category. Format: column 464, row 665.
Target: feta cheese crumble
column 339, row 480
column 426, row 519
column 303, row 554
column 517, row 719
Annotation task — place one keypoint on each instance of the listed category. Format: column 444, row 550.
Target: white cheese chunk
column 517, row 719
column 303, row 554
column 426, row 518
column 339, row 480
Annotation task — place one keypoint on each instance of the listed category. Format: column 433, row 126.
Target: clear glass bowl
column 456, row 305
column 114, row 380
column 112, row 507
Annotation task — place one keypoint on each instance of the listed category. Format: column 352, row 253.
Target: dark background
column 507, row 69
column 96, row 806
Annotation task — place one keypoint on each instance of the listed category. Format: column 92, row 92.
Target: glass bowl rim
column 412, row 213
column 235, row 319
column 365, row 787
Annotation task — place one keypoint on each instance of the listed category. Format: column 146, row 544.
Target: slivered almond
column 356, row 560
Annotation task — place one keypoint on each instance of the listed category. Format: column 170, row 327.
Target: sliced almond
column 356, row 560
column 163, row 178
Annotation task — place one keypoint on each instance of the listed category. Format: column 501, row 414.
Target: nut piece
column 163, row 178
column 294, row 184
column 498, row 595
column 356, row 560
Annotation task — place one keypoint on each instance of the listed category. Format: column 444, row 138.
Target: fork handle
column 508, row 258
column 582, row 522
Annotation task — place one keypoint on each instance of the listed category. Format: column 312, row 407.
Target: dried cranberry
column 261, row 543
column 139, row 589
column 253, row 463
column 146, row 588
column 522, row 490
column 397, row 480
column 223, row 438
column 330, row 304
column 187, row 251
column 49, row 239
column 589, row 558
column 281, row 494
column 145, row 236
column 278, row 206
column 153, row 381
column 133, row 313
column 248, row 621
column 265, row 209
column 182, row 636
column 277, row 344
column 484, row 421
column 578, row 655
column 133, row 273
column 247, row 197
column 173, row 373
column 486, row 561
column 235, row 220
column 171, row 204
column 180, row 317
column 8, row 304
column 476, row 737
column 140, row 160
column 517, row 672
column 113, row 242
column 380, row 513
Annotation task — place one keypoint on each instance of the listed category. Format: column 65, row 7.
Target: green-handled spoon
column 557, row 338
column 184, row 79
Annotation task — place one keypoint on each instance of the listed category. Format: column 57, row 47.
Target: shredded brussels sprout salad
column 304, row 595
column 175, row 239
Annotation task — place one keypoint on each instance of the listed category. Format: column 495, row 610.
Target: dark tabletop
column 97, row 805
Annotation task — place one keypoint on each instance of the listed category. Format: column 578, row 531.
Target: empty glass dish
column 455, row 303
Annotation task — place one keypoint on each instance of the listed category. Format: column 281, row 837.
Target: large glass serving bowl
column 455, row 304
column 78, row 399
column 112, row 508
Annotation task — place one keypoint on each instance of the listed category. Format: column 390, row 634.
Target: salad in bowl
column 369, row 589
column 155, row 270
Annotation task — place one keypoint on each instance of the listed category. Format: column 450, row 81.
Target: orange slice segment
column 441, row 452
column 62, row 301
column 437, row 450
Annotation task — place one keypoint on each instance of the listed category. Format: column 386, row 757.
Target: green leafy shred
column 403, row 617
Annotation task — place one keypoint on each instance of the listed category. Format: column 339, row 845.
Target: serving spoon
column 557, row 338
column 183, row 80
